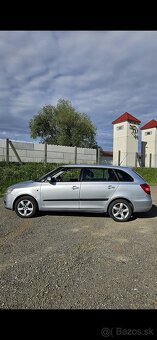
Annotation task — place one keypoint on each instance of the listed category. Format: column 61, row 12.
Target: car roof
column 95, row 166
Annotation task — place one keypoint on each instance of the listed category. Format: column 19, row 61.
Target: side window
column 99, row 174
column 69, row 175
column 92, row 174
column 123, row 176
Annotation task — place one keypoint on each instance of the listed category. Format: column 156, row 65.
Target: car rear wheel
column 26, row 207
column 120, row 210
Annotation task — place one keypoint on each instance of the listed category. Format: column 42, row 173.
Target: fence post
column 45, row 152
column 98, row 156
column 136, row 158
column 75, row 156
column 7, row 150
column 150, row 160
column 118, row 157
column 143, row 153
column 15, row 152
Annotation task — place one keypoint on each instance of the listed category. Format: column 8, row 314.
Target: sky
column 102, row 73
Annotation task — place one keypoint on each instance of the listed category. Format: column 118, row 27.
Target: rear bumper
column 142, row 205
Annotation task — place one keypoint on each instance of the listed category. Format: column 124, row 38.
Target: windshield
column 50, row 173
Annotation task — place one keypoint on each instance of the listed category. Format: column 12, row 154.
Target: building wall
column 33, row 152
column 125, row 142
column 150, row 136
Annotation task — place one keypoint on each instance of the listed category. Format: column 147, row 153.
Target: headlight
column 9, row 190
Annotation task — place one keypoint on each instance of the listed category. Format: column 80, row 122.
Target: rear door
column 97, row 188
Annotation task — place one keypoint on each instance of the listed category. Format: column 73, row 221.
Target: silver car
column 118, row 191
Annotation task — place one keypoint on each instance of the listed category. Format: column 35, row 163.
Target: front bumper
column 8, row 201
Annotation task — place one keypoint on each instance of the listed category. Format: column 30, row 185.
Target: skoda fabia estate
column 117, row 191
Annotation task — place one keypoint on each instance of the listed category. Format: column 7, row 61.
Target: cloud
column 103, row 74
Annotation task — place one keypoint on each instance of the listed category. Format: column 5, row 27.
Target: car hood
column 24, row 185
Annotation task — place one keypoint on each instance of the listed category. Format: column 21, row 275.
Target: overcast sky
column 102, row 73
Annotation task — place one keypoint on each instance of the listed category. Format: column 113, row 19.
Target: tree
column 63, row 125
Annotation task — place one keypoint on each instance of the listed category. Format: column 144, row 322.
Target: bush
column 14, row 172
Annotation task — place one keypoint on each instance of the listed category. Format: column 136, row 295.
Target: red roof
column 151, row 124
column 126, row 117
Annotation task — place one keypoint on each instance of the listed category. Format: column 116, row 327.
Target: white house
column 125, row 140
column 149, row 137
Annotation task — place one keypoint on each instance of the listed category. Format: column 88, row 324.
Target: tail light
column 146, row 188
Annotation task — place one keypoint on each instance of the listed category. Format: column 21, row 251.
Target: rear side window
column 123, row 176
column 99, row 174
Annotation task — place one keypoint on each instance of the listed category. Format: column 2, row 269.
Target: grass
column 149, row 174
column 14, row 172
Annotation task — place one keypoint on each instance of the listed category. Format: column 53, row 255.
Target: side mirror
column 53, row 180
column 49, row 179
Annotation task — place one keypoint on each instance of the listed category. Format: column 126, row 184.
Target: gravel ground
column 72, row 261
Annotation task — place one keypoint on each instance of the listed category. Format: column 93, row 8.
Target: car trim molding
column 78, row 199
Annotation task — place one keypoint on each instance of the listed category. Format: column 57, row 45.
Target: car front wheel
column 120, row 210
column 26, row 207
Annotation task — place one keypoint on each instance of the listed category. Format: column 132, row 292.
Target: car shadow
column 71, row 213
column 150, row 214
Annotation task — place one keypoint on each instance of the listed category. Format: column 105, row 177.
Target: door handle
column 75, row 187
column 111, row 187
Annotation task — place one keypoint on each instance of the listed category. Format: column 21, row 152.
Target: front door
column 64, row 192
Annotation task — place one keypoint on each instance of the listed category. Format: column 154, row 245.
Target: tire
column 120, row 210
column 26, row 207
